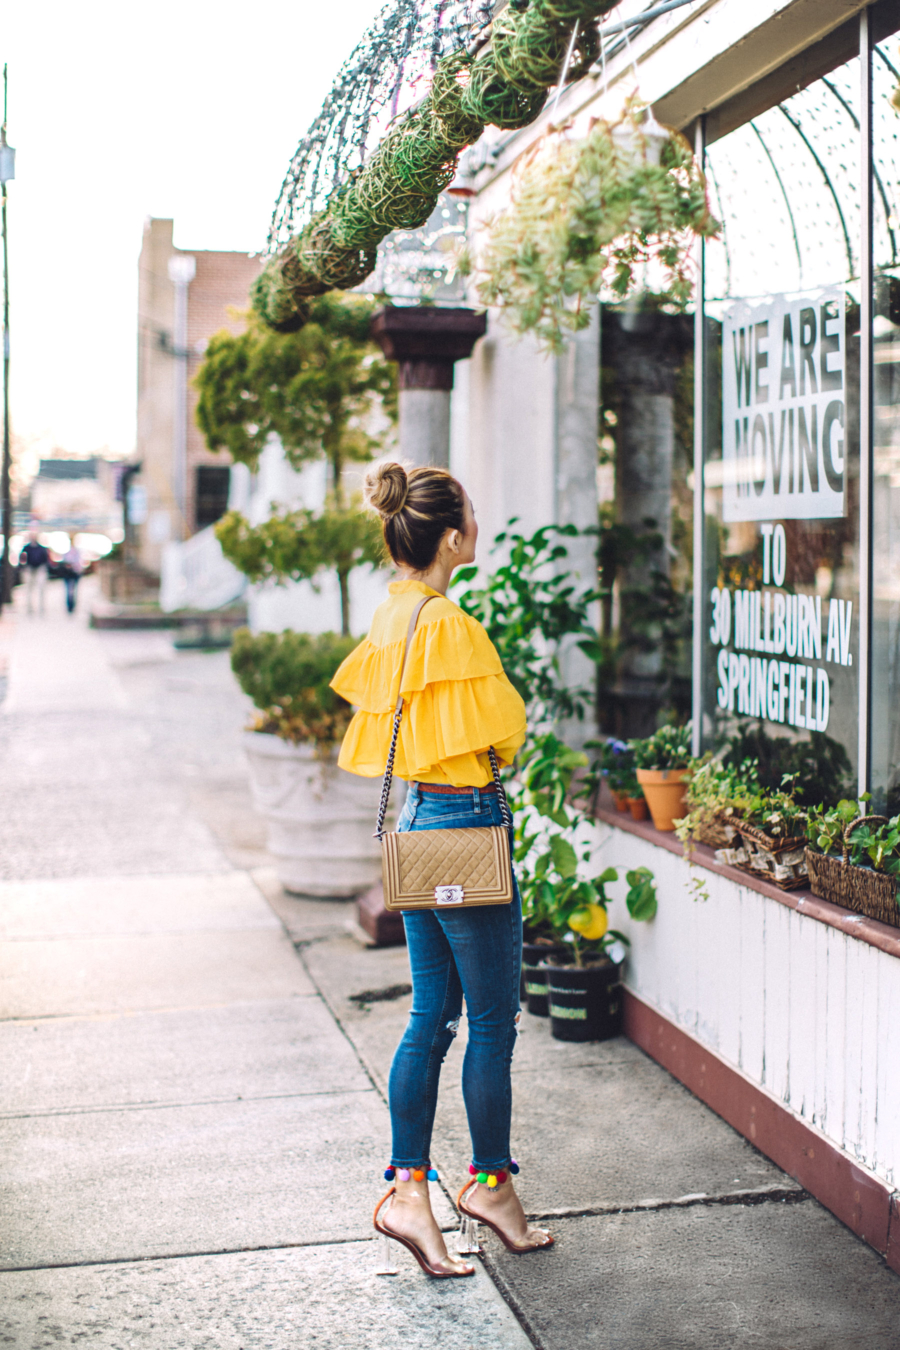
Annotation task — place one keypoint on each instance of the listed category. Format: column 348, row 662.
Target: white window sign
column 784, row 408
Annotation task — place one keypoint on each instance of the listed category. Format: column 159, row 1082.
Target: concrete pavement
column 192, row 1114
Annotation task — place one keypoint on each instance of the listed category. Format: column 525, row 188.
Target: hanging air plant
column 590, row 215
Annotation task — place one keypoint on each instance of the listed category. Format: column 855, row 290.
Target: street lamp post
column 7, row 172
column 182, row 270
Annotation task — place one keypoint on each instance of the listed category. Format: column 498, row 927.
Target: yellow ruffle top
column 457, row 698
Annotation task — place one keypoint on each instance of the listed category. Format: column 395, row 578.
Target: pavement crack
column 115, row 1107
column 764, row 1195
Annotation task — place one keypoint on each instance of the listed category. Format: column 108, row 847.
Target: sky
column 183, row 108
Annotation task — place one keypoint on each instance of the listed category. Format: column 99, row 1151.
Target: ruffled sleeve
column 457, row 702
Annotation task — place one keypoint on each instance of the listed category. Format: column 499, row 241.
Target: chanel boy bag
column 442, row 869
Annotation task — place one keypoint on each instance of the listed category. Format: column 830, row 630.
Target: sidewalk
column 192, row 1105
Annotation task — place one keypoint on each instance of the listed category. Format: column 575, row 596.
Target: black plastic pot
column 534, row 974
column 585, row 1002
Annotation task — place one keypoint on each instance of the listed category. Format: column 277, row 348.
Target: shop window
column 780, row 637
column 212, row 485
column 646, row 505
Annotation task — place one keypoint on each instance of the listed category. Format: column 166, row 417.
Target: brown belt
column 448, row 787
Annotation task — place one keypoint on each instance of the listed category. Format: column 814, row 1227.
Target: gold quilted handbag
column 442, row 869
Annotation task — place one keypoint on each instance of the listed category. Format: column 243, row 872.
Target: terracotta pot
column 665, row 791
column 638, row 808
column 620, row 800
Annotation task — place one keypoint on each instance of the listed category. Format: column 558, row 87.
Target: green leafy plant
column 562, row 898
column 641, row 896
column 614, row 761
column 818, row 766
column 825, row 826
column 530, row 608
column 287, row 675
column 644, row 614
column 589, row 214
column 775, row 811
column 877, row 844
column 716, row 794
column 320, row 391
column 667, row 748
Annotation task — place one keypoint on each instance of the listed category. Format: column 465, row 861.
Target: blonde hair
column 416, row 509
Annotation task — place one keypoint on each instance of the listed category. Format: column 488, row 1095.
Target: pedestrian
column 35, row 559
column 72, row 568
column 457, row 704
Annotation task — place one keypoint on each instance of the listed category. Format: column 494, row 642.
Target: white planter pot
column 320, row 818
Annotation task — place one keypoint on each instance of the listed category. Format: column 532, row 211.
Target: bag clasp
column 448, row 895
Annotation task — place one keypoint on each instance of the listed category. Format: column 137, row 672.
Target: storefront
column 783, row 531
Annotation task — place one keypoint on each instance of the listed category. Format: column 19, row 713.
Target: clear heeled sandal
column 453, row 1270
column 469, row 1220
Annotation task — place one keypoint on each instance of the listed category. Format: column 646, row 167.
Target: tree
column 318, row 390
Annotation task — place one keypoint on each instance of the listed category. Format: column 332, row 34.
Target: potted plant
column 572, row 959
column 583, row 991
column 714, row 797
column 773, row 830
column 662, row 764
column 614, row 763
column 635, row 800
column 547, row 770
column 854, row 860
column 321, row 392
column 319, row 819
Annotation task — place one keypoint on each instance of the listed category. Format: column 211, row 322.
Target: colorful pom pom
column 418, row 1174
column 403, row 1174
column 389, row 1173
column 473, row 1170
column 492, row 1181
column 501, row 1177
column 432, row 1174
column 482, row 1177
column 514, row 1167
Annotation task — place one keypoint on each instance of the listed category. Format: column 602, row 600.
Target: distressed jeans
column 474, row 953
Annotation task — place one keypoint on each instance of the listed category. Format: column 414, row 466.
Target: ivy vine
column 589, row 214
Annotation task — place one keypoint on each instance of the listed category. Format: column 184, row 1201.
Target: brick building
column 183, row 298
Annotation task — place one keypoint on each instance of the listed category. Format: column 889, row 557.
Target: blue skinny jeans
column 474, row 952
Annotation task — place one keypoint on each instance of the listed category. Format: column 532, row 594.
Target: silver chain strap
column 388, row 777
column 387, row 781
column 505, row 813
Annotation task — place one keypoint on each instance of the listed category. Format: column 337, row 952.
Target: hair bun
column 385, row 489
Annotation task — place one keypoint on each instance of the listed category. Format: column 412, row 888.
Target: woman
column 457, row 703
column 73, row 566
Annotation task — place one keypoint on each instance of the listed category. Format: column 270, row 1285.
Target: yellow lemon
column 591, row 922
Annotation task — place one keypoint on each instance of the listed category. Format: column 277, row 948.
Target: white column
column 577, row 427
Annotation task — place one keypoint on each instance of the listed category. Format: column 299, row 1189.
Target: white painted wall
column 805, row 1011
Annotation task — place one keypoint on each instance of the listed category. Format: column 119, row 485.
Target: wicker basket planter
column 860, row 889
column 780, row 861
column 720, row 832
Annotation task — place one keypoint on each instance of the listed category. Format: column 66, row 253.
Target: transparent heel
column 388, row 1251
column 467, row 1239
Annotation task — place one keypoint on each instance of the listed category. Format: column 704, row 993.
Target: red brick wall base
column 863, row 1202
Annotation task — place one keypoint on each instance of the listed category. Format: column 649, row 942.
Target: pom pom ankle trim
column 495, row 1177
column 427, row 1172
